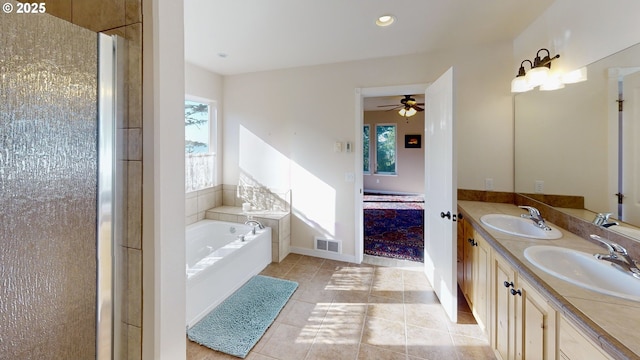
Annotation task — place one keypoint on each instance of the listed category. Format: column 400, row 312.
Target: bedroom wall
column 410, row 161
column 297, row 114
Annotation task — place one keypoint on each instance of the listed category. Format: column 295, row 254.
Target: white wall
column 297, row 114
column 163, row 246
column 581, row 31
column 410, row 161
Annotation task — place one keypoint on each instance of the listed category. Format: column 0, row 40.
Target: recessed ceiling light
column 385, row 20
column 222, row 55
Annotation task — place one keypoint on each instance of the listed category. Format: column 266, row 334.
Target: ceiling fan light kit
column 408, row 106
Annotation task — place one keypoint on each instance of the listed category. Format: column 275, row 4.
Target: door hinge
column 620, row 106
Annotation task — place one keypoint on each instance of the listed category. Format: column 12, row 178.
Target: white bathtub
column 219, row 262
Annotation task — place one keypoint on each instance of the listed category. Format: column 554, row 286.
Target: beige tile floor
column 349, row 311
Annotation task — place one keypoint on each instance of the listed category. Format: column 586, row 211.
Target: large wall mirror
column 575, row 141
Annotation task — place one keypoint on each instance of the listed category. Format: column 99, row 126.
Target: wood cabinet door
column 481, row 275
column 503, row 332
column 535, row 325
column 573, row 345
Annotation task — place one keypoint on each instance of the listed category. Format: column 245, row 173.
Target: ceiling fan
column 406, row 104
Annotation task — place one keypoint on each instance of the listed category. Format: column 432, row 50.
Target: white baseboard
column 323, row 254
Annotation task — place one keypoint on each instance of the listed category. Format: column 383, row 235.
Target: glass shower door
column 52, row 204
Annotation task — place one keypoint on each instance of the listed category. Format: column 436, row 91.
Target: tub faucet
column 255, row 224
column 535, row 216
column 602, row 219
column 617, row 255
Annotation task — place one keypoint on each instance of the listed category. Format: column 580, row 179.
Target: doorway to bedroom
column 393, row 168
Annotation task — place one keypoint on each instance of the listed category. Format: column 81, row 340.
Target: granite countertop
column 610, row 321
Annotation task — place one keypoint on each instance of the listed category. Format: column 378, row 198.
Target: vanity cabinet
column 573, row 345
column 524, row 323
column 474, row 256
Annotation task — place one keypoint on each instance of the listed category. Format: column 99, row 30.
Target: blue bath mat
column 237, row 324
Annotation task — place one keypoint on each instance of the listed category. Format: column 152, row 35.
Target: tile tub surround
column 198, row 202
column 607, row 320
column 280, row 224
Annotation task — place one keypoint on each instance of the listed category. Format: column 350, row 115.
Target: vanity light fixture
column 385, row 20
column 552, row 83
column 575, row 76
column 539, row 73
column 520, row 83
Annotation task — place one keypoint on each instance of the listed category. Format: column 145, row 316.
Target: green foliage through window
column 386, row 149
column 366, row 152
column 196, row 127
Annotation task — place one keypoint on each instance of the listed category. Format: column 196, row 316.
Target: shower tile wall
column 123, row 18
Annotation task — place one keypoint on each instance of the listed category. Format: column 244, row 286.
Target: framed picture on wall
column 413, row 141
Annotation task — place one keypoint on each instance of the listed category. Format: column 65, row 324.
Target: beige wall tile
column 133, row 11
column 134, row 144
column 134, row 344
column 134, row 205
column 134, row 287
column 98, row 15
column 133, row 34
column 59, row 8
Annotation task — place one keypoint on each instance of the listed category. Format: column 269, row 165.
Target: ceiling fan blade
column 417, row 108
column 395, row 108
column 387, row 105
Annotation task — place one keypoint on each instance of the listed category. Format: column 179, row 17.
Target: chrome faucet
column 535, row 216
column 602, row 219
column 617, row 255
column 255, row 224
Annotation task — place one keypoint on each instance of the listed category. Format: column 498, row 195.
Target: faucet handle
column 610, row 246
column 532, row 211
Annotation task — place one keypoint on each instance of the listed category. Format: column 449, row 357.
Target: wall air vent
column 334, row 246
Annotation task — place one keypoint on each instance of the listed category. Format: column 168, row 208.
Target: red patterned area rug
column 393, row 226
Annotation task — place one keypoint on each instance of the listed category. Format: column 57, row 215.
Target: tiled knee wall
column 222, row 203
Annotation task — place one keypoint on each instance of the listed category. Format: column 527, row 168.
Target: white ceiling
column 258, row 35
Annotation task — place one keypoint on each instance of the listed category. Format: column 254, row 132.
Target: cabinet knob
column 447, row 215
column 508, row 284
column 515, row 292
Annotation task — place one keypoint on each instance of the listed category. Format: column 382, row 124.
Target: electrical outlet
column 488, row 184
column 539, row 187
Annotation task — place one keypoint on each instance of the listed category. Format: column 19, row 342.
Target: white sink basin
column 584, row 270
column 516, row 225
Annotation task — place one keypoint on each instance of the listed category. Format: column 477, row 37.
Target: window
column 199, row 131
column 385, row 145
column 386, row 149
column 366, row 148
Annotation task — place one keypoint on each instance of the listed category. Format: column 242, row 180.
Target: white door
column 631, row 149
column 440, row 193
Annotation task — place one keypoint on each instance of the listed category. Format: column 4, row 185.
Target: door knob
column 447, row 215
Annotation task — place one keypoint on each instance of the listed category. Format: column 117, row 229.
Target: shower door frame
column 109, row 203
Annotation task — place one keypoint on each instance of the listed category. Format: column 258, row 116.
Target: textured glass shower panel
column 48, row 171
